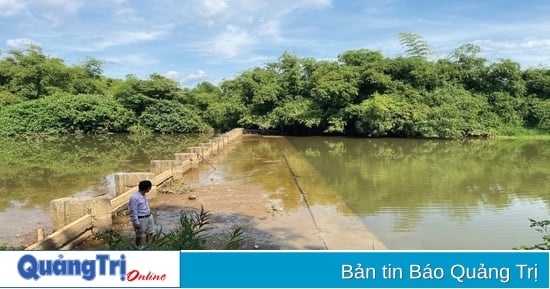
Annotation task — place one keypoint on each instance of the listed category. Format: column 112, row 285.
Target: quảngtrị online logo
column 29, row 267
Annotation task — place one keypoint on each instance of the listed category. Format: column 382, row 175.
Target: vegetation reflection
column 409, row 175
column 41, row 168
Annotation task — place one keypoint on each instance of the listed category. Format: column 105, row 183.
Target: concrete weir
column 76, row 219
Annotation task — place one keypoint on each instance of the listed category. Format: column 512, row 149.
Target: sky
column 191, row 41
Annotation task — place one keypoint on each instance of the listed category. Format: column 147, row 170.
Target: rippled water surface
column 412, row 194
column 433, row 194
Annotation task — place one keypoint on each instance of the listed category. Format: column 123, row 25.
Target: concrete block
column 185, row 166
column 67, row 210
column 205, row 150
column 197, row 155
column 184, row 156
column 126, row 181
column 160, row 166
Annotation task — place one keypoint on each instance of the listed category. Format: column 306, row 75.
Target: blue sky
column 211, row 40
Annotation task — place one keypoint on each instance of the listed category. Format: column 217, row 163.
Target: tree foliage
column 166, row 116
column 63, row 114
column 414, row 45
column 362, row 92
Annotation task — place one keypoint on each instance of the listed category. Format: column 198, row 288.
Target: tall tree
column 414, row 45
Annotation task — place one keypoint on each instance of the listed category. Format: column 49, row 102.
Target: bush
column 189, row 235
column 166, row 116
column 65, row 113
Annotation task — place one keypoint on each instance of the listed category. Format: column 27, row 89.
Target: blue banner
column 360, row 269
column 275, row 269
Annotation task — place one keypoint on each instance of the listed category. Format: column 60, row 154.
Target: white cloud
column 18, row 42
column 237, row 27
column 71, row 6
column 270, row 28
column 40, row 12
column 519, row 44
column 10, row 7
column 106, row 40
column 211, row 8
column 190, row 79
column 315, row 4
column 194, row 77
column 529, row 52
column 174, row 75
column 125, row 13
column 232, row 42
column 131, row 60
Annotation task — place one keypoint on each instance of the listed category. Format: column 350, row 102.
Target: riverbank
column 259, row 192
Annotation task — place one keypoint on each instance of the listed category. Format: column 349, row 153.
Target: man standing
column 140, row 213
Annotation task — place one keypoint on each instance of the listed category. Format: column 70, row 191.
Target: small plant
column 188, row 235
column 544, row 228
column 6, row 247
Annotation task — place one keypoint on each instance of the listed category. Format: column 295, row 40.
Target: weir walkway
column 76, row 219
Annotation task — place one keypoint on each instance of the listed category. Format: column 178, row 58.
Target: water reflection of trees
column 38, row 169
column 407, row 176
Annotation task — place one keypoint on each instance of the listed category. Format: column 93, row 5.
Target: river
column 412, row 194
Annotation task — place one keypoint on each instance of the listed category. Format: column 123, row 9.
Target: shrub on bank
column 188, row 235
column 65, row 114
column 165, row 116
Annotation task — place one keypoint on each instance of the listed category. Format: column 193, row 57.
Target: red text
column 135, row 275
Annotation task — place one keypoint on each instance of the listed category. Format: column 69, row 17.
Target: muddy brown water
column 254, row 187
column 297, row 192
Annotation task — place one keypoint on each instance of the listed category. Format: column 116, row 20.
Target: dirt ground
column 266, row 224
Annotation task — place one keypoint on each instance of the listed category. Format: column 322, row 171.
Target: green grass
column 6, row 247
column 522, row 133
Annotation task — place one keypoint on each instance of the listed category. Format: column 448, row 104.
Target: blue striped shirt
column 138, row 206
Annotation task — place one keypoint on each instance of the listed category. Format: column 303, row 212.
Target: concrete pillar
column 196, row 155
column 219, row 140
column 213, row 143
column 126, row 181
column 205, row 150
column 185, row 159
column 160, row 166
column 67, row 210
column 216, row 143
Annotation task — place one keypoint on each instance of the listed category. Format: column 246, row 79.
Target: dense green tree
column 65, row 113
column 289, row 72
column 469, row 69
column 385, row 115
column 539, row 114
column 334, row 88
column 168, row 116
column 455, row 112
column 370, row 67
column 259, row 91
column 362, row 93
column 32, row 74
column 505, row 76
column 537, row 82
column 203, row 95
